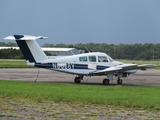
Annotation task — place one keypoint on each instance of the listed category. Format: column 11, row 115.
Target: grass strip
column 128, row 96
column 13, row 64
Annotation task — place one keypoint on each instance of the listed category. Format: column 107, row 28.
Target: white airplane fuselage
column 72, row 64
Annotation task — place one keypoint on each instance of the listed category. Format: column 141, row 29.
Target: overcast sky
column 82, row 21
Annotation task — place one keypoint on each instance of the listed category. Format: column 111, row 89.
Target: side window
column 102, row 59
column 83, row 59
column 92, row 58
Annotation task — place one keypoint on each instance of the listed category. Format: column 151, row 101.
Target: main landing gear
column 119, row 81
column 78, row 79
column 106, row 81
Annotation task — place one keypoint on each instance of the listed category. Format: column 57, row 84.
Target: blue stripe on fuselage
column 80, row 66
column 44, row 65
column 68, row 66
column 99, row 67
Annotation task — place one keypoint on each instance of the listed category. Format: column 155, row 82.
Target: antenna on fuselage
column 87, row 49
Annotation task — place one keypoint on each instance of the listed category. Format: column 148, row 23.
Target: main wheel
column 119, row 81
column 105, row 81
column 77, row 80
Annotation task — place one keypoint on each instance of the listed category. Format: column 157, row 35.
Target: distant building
column 55, row 51
column 9, row 48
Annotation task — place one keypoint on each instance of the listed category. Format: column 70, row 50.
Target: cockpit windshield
column 110, row 59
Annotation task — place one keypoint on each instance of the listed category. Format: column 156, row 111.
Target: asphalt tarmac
column 149, row 77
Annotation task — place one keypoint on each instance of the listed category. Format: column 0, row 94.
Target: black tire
column 119, row 81
column 77, row 80
column 105, row 82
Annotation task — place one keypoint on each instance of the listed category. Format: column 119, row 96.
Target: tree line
column 147, row 51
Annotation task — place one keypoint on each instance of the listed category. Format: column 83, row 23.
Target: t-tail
column 29, row 48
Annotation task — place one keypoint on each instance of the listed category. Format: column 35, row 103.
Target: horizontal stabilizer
column 24, row 37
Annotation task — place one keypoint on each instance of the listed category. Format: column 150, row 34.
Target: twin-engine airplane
column 86, row 64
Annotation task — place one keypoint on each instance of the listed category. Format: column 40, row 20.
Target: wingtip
column 154, row 65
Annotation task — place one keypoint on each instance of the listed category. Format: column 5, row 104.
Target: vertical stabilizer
column 29, row 47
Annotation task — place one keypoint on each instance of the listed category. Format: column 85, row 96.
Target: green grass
column 13, row 63
column 127, row 96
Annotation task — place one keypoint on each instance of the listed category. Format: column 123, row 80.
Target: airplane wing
column 125, row 67
column 135, row 66
column 144, row 66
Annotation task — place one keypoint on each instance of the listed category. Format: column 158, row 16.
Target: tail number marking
column 63, row 65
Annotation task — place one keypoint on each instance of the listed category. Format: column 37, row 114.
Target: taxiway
column 150, row 77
